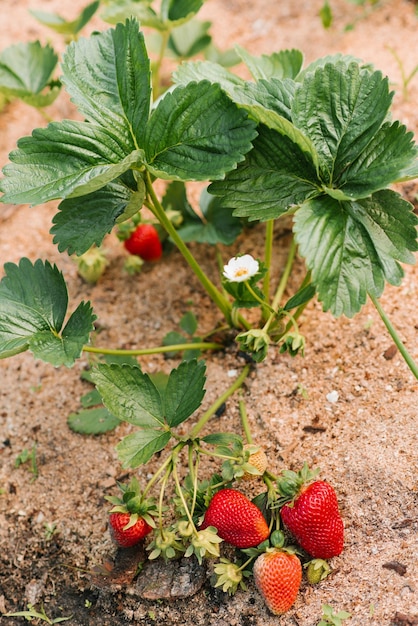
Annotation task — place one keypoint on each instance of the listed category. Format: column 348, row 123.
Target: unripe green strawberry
column 312, row 515
column 237, row 520
column 316, row 570
column 257, row 459
column 277, row 575
column 125, row 534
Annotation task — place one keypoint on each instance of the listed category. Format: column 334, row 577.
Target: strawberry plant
column 279, row 146
column 315, row 144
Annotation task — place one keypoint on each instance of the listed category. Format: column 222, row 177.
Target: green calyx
column 291, row 483
column 230, row 576
column 133, row 502
column 316, row 570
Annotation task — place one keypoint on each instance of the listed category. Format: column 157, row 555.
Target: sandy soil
column 365, row 442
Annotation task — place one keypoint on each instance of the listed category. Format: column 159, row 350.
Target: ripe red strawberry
column 312, row 515
column 124, row 534
column 237, row 520
column 145, row 242
column 277, row 575
column 132, row 517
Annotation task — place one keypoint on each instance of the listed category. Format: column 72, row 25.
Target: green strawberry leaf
column 189, row 39
column 274, row 95
column 33, row 305
column 178, row 10
column 193, row 71
column 340, row 108
column 26, row 69
column 90, row 399
column 222, row 439
column 137, row 448
column 184, row 391
column 63, row 26
column 44, row 99
column 92, row 421
column 302, row 296
column 282, row 64
column 108, row 78
column 276, row 175
column 120, row 10
column 188, row 323
column 384, row 161
column 217, row 226
column 353, row 247
column 196, row 133
column 129, row 394
column 65, row 159
column 102, row 209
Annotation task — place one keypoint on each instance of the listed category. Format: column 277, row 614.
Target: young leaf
column 184, row 391
column 282, row 64
column 129, row 394
column 33, row 305
column 196, row 133
column 352, row 247
column 92, row 421
column 108, row 78
column 84, row 221
column 137, row 448
column 26, row 69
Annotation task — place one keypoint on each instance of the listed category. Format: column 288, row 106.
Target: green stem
column 219, row 402
column 203, row 345
column 392, row 332
column 282, row 284
column 156, row 87
column 264, row 304
column 161, row 498
column 268, row 253
column 247, row 562
column 285, row 276
column 218, row 298
column 244, row 421
column 155, row 476
column 181, row 496
column 194, row 473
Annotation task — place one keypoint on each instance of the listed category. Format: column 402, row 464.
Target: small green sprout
column 329, row 618
column 28, row 456
column 32, row 613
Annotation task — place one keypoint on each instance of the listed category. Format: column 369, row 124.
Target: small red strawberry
column 237, row 520
column 312, row 513
column 127, row 532
column 131, row 519
column 145, row 243
column 277, row 575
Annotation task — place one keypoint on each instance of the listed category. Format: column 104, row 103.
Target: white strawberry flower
column 240, row 268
